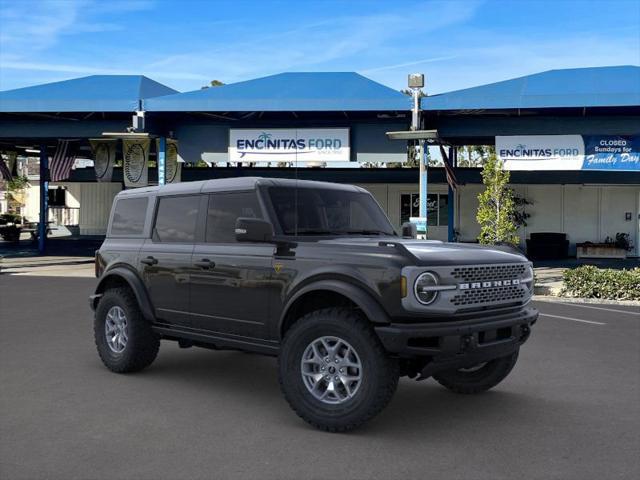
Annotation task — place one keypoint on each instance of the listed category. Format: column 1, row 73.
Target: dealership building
column 571, row 139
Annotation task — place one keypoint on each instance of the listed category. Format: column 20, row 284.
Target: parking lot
column 570, row 409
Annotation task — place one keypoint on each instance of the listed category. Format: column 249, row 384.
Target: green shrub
column 593, row 282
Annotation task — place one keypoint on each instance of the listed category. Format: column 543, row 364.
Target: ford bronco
column 314, row 274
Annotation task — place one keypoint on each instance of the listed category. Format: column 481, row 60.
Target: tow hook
column 526, row 331
column 468, row 343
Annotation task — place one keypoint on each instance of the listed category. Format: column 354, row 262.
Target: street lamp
column 416, row 83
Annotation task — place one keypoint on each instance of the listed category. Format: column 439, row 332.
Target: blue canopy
column 289, row 92
column 96, row 93
column 577, row 87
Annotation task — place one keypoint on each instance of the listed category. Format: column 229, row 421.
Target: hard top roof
column 231, row 184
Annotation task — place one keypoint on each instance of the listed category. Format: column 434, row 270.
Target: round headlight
column 423, row 288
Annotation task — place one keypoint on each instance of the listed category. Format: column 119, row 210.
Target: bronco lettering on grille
column 491, row 284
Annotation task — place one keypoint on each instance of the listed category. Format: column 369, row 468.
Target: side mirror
column 409, row 230
column 253, row 230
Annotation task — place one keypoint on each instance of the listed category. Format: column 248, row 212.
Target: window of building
column 57, row 197
column 176, row 219
column 128, row 216
column 437, row 208
column 224, row 209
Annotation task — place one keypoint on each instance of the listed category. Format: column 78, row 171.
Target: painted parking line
column 572, row 319
column 600, row 308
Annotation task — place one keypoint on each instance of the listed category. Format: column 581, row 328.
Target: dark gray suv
column 314, row 273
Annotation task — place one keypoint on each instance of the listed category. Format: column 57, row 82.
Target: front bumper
column 450, row 345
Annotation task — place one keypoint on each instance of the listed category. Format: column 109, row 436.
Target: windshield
column 318, row 211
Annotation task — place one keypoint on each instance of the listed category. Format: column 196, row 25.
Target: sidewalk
column 48, row 266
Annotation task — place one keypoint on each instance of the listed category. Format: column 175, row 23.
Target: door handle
column 149, row 261
column 205, row 263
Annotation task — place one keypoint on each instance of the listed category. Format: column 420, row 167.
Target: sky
column 185, row 44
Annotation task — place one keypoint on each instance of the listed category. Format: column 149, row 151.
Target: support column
column 44, row 199
column 453, row 158
column 162, row 160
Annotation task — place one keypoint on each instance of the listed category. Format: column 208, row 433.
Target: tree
column 496, row 209
column 213, row 83
column 474, row 155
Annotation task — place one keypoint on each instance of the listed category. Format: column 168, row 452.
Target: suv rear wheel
column 478, row 378
column 333, row 370
column 124, row 339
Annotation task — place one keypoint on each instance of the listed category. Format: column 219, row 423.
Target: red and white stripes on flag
column 448, row 169
column 62, row 160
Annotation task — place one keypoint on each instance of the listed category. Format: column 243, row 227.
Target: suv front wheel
column 333, row 370
column 124, row 339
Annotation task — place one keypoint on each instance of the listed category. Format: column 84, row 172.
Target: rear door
column 166, row 257
column 230, row 292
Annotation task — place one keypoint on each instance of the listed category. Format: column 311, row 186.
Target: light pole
column 416, row 83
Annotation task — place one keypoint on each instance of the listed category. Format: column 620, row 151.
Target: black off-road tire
column 380, row 373
column 477, row 381
column 142, row 344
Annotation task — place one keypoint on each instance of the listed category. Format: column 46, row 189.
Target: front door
column 166, row 257
column 230, row 291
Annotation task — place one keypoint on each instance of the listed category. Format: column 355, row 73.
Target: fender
column 135, row 283
column 364, row 300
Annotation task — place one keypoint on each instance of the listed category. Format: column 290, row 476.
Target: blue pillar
column 44, row 199
column 162, row 160
column 453, row 154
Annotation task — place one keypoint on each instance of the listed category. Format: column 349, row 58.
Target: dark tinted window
column 128, row 216
column 316, row 211
column 176, row 219
column 224, row 210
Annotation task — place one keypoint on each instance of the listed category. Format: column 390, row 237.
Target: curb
column 546, row 290
column 597, row 301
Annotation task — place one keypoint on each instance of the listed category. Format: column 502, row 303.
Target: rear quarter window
column 128, row 216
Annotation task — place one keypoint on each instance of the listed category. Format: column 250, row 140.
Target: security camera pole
column 416, row 83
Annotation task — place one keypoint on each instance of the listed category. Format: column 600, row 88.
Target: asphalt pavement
column 570, row 409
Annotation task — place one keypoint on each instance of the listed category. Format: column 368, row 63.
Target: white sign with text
column 541, row 152
column 289, row 145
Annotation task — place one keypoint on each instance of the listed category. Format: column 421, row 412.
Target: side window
column 176, row 219
column 224, row 210
column 128, row 216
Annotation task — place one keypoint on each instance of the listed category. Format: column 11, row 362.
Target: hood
column 435, row 252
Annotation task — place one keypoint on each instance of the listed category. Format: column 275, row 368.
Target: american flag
column 4, row 170
column 448, row 169
column 62, row 160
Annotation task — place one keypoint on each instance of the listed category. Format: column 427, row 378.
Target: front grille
column 489, row 295
column 488, row 272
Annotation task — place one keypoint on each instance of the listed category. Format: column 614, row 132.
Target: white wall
column 95, row 205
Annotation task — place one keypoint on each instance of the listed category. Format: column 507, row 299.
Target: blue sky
column 184, row 44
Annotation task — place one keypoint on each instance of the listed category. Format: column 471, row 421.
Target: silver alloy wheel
column 331, row 370
column 115, row 329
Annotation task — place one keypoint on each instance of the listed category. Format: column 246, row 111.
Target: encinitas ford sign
column 569, row 152
column 541, row 152
column 289, row 145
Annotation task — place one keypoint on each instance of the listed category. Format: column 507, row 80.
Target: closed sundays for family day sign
column 289, row 145
column 569, row 152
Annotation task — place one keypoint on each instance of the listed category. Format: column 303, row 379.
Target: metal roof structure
column 617, row 86
column 288, row 92
column 95, row 93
